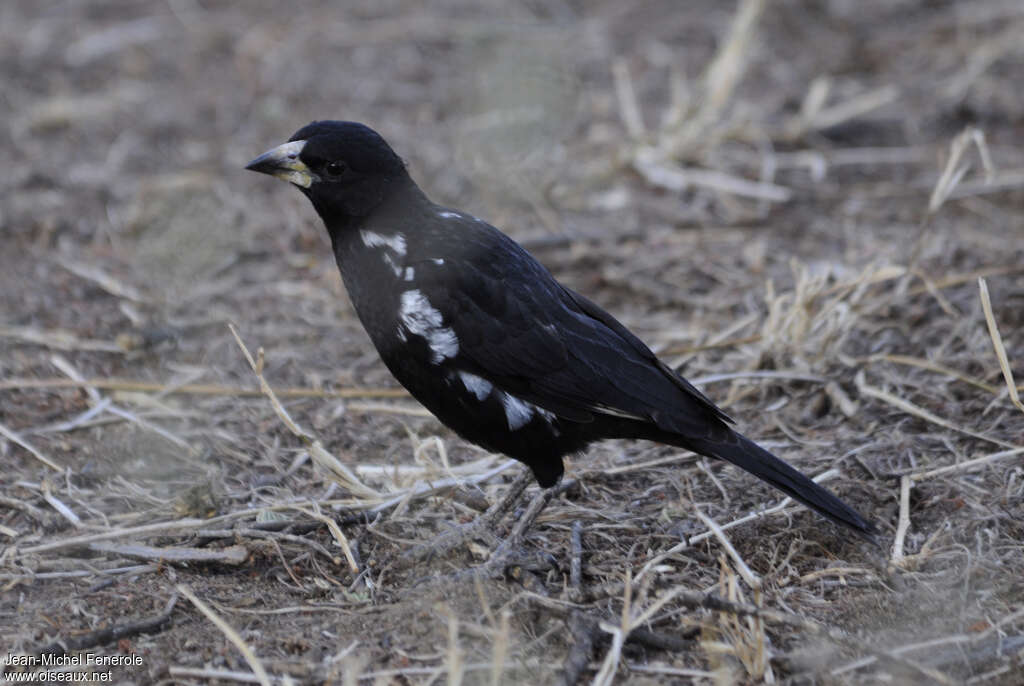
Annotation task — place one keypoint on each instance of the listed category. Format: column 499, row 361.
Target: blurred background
column 792, row 200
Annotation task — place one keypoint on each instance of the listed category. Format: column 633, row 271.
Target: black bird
column 484, row 337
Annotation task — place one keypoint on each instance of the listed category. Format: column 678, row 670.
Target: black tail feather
column 749, row 456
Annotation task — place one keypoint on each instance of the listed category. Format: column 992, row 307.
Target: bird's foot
column 481, row 527
column 509, row 552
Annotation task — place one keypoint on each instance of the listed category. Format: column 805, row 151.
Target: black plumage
column 484, row 337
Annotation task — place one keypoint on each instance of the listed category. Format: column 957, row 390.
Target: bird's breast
column 373, row 269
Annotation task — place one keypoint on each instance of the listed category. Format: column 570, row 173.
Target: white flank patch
column 395, row 243
column 518, row 412
column 423, row 319
column 410, row 273
column 448, row 215
column 476, row 385
column 437, row 260
column 443, row 343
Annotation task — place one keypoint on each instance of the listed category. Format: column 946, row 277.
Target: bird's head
column 345, row 168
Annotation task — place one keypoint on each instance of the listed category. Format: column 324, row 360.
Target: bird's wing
column 524, row 332
column 599, row 315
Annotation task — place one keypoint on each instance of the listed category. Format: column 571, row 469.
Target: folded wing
column 525, row 333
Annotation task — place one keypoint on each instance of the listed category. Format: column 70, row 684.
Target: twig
column 671, row 176
column 753, row 581
column 719, row 82
column 57, row 339
column 920, row 412
column 158, row 430
column 586, row 632
column 232, row 555
column 339, row 536
column 643, row 466
column 500, row 648
column 729, row 343
column 997, row 343
column 967, row 466
column 708, row 601
column 759, row 374
column 835, row 571
column 65, row 366
column 962, row 278
column 102, row 279
column 31, row 510
column 934, row 367
column 688, row 674
column 753, row 516
column 583, row 629
column 80, row 573
column 339, row 471
column 576, row 559
column 952, row 173
column 111, row 633
column 455, row 657
column 133, row 531
column 662, row 641
column 233, row 636
column 904, row 521
column 10, row 435
column 817, row 118
column 212, row 674
column 629, row 108
column 407, row 410
column 198, row 389
column 58, row 505
column 896, row 655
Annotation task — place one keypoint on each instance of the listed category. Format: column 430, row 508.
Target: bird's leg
column 533, row 510
column 482, row 525
column 509, row 553
column 496, row 512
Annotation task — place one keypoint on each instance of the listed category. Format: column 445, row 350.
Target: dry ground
column 795, row 201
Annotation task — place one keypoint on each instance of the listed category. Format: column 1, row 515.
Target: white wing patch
column 396, row 242
column 423, row 319
column 410, row 273
column 476, row 385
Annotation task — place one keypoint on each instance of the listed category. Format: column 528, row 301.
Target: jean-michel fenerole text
column 75, row 660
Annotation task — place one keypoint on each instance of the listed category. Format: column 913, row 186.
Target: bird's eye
column 335, row 168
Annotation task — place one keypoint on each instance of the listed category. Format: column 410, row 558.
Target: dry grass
column 814, row 209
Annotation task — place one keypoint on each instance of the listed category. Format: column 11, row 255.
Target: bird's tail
column 749, row 456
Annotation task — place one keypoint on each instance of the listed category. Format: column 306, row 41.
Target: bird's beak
column 284, row 163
